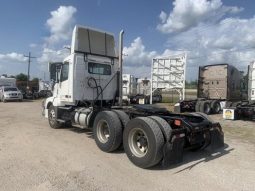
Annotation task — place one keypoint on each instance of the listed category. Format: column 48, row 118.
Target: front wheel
column 52, row 117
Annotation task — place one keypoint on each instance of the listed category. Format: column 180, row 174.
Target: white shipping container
column 7, row 81
column 169, row 73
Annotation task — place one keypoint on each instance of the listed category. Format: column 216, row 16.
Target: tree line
column 20, row 77
column 191, row 84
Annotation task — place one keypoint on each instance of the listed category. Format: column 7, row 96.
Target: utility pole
column 28, row 68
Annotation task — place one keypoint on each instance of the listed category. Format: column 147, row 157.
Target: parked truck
column 45, row 88
column 222, row 87
column 35, row 89
column 218, row 86
column 143, row 93
column 88, row 94
column 244, row 109
column 129, row 88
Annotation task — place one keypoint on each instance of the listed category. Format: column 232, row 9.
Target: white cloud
column 136, row 55
column 229, row 41
column 189, row 13
column 137, row 60
column 60, row 24
column 12, row 57
column 209, row 34
column 51, row 55
column 32, row 45
column 12, row 62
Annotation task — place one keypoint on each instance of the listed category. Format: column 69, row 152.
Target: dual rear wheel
column 142, row 137
column 208, row 107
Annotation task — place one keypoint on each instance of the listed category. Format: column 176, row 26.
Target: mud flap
column 173, row 152
column 217, row 139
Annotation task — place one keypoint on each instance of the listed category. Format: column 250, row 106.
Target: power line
column 28, row 68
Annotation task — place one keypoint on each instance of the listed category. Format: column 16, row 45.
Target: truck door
column 54, row 70
column 64, row 82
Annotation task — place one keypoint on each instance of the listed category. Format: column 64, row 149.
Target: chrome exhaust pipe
column 120, row 65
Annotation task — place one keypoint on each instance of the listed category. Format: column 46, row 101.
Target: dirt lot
column 35, row 157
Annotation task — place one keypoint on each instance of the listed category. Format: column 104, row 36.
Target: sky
column 208, row 31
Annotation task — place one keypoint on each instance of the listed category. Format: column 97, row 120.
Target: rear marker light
column 177, row 122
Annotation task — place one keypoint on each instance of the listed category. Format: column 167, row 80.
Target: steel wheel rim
column 103, row 132
column 52, row 116
column 138, row 142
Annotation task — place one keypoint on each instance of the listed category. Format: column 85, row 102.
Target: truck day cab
column 88, row 94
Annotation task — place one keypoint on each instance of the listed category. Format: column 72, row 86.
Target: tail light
column 177, row 122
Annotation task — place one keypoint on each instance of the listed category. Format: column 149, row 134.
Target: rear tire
column 107, row 131
column 253, row 117
column 205, row 107
column 124, row 118
column 215, row 106
column 164, row 127
column 143, row 142
column 52, row 118
column 197, row 106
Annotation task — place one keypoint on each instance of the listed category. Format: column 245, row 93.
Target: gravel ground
column 35, row 157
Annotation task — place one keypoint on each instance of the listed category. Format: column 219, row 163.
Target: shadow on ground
column 87, row 131
column 201, row 156
column 17, row 101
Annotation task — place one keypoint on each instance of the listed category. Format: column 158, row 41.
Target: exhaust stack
column 120, row 65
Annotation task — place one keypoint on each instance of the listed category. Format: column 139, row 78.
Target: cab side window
column 64, row 72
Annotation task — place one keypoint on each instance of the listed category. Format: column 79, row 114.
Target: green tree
column 191, row 84
column 21, row 77
column 35, row 79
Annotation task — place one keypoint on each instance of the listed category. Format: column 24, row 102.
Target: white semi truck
column 129, row 88
column 88, row 94
column 244, row 109
column 143, row 91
